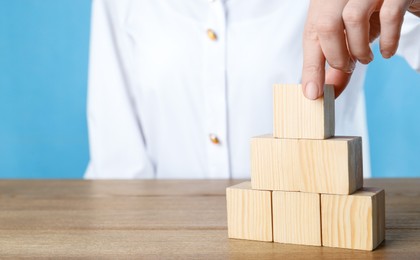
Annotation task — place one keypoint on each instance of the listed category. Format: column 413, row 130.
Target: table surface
column 167, row 219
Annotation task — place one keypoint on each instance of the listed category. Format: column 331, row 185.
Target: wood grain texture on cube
column 297, row 218
column 354, row 221
column 295, row 116
column 272, row 164
column 249, row 213
column 331, row 166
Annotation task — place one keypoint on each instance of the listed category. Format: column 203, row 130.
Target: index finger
column 313, row 70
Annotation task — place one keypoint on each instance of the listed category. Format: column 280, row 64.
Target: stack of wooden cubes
column 306, row 184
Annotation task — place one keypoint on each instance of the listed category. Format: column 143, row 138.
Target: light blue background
column 44, row 48
column 392, row 91
column 43, row 73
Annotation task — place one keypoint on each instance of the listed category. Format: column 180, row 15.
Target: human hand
column 339, row 32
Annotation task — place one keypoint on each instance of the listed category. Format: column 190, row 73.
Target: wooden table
column 167, row 219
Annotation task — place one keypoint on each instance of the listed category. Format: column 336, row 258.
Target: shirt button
column 212, row 35
column 214, row 139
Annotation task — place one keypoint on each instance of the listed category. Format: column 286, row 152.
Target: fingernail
column 311, row 91
column 386, row 54
column 368, row 60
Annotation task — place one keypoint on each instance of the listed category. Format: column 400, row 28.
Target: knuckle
column 339, row 64
column 353, row 16
column 391, row 15
column 310, row 32
column 328, row 24
column 312, row 68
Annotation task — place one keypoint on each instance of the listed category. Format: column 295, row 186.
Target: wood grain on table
column 167, row 219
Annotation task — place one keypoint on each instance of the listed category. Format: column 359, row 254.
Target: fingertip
column 387, row 54
column 391, row 17
column 367, row 60
column 312, row 91
column 338, row 79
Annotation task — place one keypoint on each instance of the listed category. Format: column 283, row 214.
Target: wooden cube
column 331, row 166
column 297, row 218
column 274, row 164
column 295, row 116
column 249, row 213
column 354, row 221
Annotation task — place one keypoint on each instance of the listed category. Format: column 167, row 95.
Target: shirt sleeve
column 409, row 46
column 116, row 141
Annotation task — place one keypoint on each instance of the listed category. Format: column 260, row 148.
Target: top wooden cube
column 297, row 117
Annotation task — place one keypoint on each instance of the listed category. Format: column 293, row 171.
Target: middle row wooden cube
column 331, row 166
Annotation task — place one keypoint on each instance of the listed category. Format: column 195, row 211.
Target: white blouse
column 178, row 88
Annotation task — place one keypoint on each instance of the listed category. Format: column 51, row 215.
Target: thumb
column 338, row 79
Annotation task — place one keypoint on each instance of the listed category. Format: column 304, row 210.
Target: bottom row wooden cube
column 354, row 221
column 297, row 218
column 249, row 213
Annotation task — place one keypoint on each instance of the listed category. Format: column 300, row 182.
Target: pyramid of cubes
column 306, row 184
